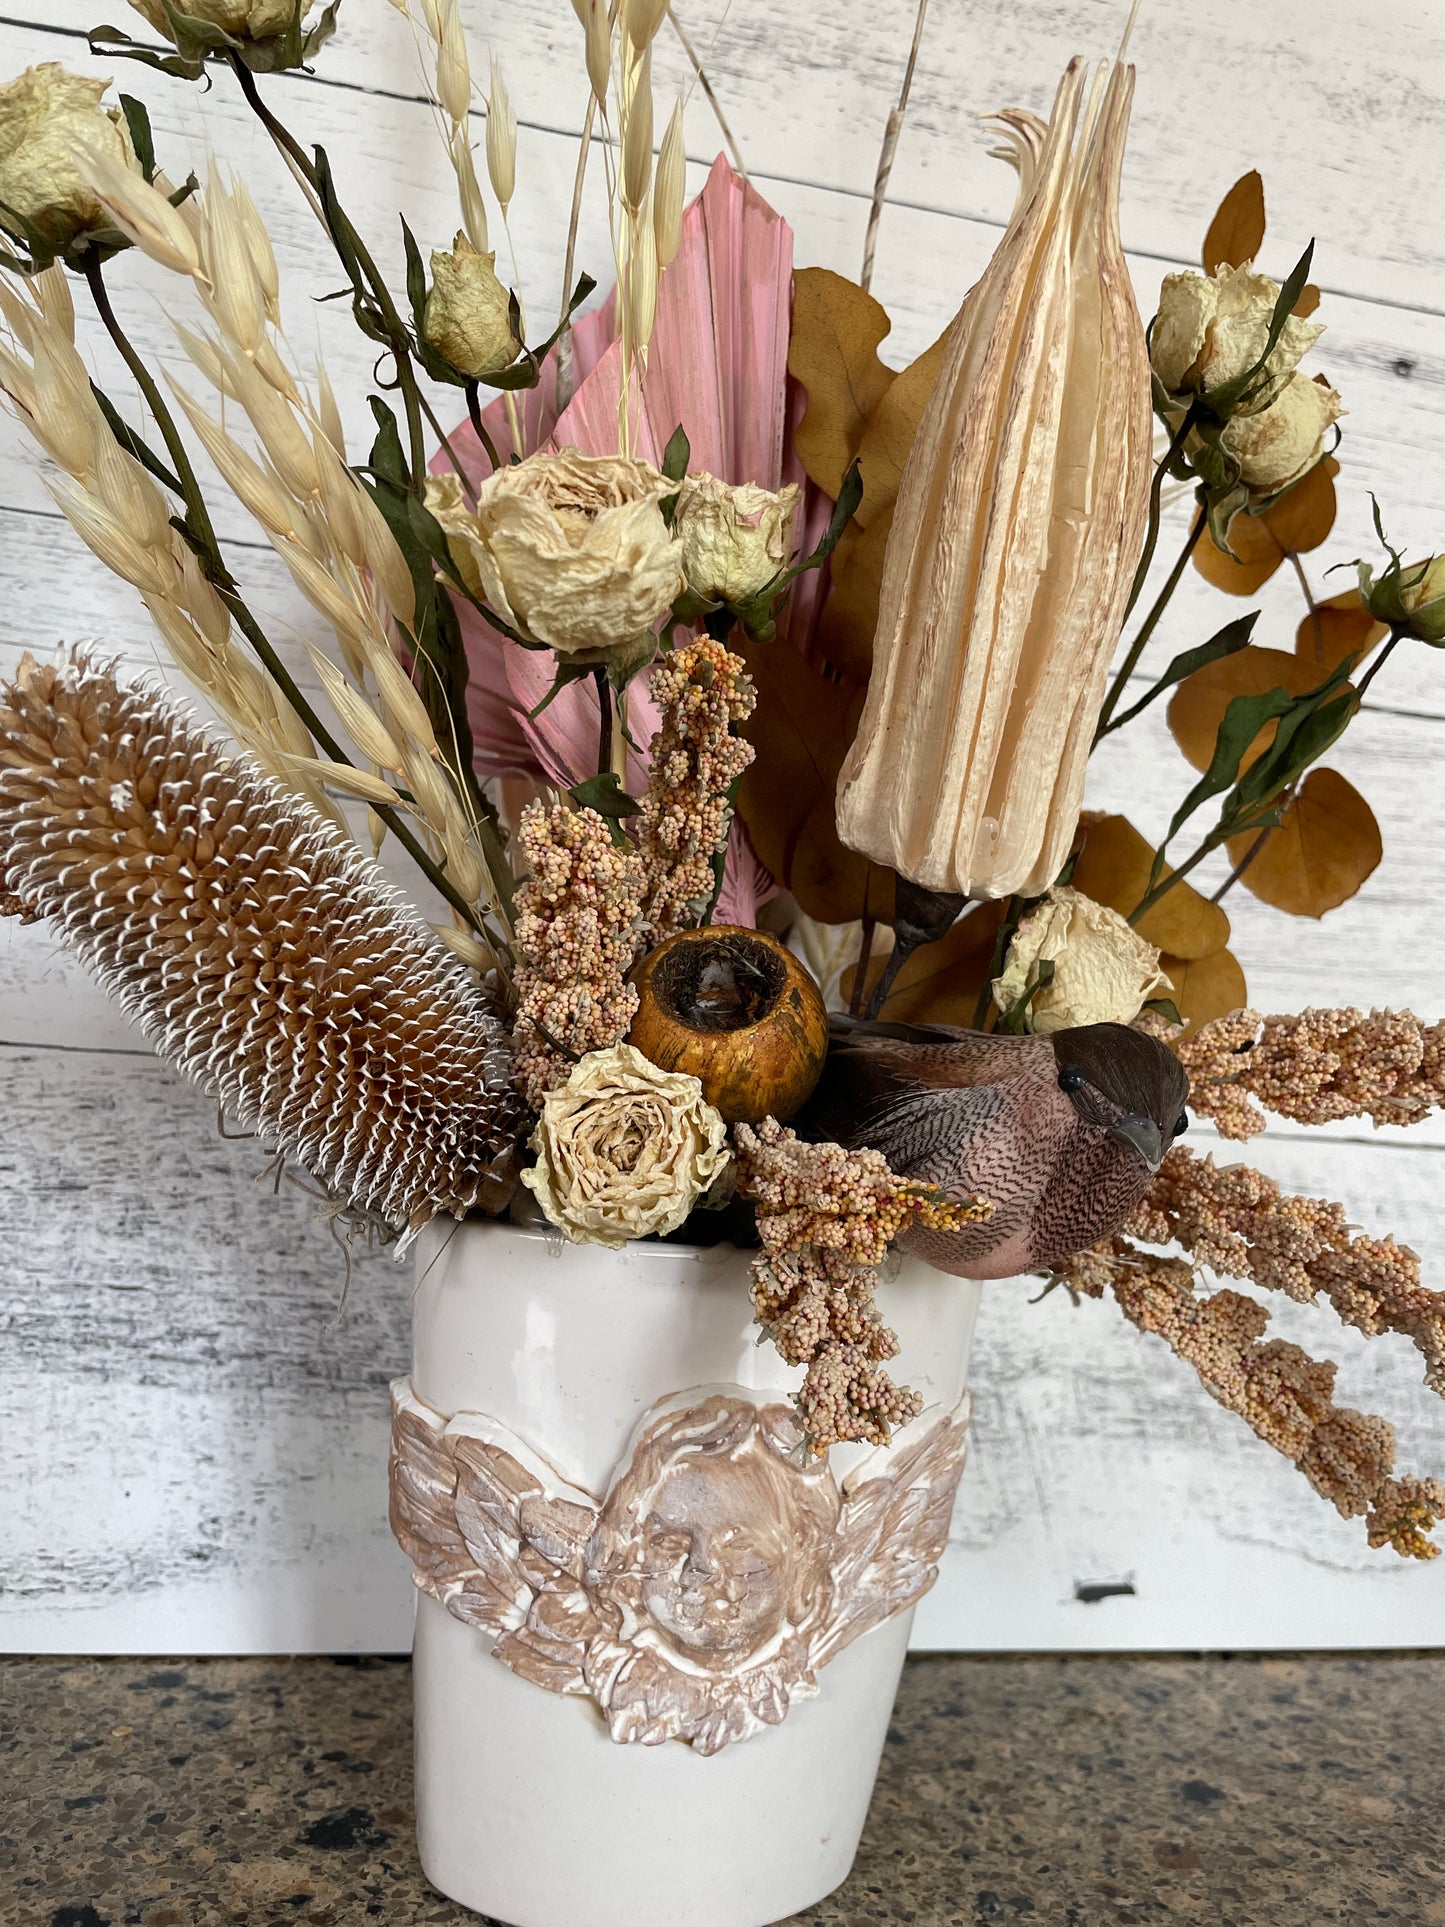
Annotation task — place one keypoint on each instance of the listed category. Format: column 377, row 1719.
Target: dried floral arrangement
column 732, row 695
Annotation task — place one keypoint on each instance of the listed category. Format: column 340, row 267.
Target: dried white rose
column 1280, row 444
column 251, row 19
column 570, row 550
column 1104, row 971
column 624, row 1149
column 45, row 113
column 467, row 317
column 1210, row 329
column 735, row 539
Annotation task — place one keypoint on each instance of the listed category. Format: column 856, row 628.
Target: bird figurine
column 1061, row 1133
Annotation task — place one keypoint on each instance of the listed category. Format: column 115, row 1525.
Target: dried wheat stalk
column 259, row 951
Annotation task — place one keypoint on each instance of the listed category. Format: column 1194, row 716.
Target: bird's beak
column 1145, row 1136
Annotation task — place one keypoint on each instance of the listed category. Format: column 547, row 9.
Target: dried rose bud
column 270, row 36
column 1104, row 971
column 468, row 316
column 1211, row 329
column 45, row 113
column 1280, row 444
column 1410, row 596
column 256, row 19
column 734, row 539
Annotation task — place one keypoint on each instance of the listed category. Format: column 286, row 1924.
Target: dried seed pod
column 732, row 1007
column 259, row 951
column 1015, row 535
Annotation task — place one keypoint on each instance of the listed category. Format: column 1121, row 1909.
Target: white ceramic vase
column 591, row 1474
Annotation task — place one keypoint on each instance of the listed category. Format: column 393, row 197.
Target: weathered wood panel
column 196, row 1452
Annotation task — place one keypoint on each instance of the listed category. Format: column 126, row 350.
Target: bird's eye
column 1073, row 1079
column 1181, row 1124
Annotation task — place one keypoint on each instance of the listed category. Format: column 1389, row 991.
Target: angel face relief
column 699, row 1597
column 710, row 1540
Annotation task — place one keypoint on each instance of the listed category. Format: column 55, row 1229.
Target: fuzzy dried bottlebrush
column 1015, row 536
column 578, row 918
column 1315, row 1068
column 1281, row 1393
column 826, row 1217
column 260, row 953
column 702, row 694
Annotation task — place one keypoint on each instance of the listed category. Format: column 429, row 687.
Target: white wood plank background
column 195, row 1452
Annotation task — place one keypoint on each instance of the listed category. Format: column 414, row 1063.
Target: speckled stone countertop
column 1081, row 1792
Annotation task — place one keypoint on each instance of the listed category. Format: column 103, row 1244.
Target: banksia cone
column 259, row 951
column 1015, row 536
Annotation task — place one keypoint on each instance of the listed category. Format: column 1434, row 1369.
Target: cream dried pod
column 1018, row 526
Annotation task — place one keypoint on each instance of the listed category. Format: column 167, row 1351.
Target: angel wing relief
column 699, row 1596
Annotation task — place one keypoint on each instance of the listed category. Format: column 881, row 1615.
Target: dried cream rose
column 570, row 550
column 623, row 1149
column 45, row 113
column 251, row 19
column 467, row 317
column 1280, row 444
column 1104, row 971
column 734, row 539
column 1210, row 329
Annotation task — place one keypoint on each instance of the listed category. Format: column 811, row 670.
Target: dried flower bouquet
column 700, row 628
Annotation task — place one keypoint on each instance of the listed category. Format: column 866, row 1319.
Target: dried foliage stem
column 706, row 85
column 891, row 132
column 1107, row 721
column 1151, row 537
column 199, row 524
column 380, row 295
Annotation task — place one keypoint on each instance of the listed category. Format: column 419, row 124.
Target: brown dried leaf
column 850, row 615
column 801, row 730
column 1113, row 868
column 1338, row 628
column 1197, row 706
column 891, row 428
column 856, row 407
column 1300, row 520
column 1303, row 516
column 1256, row 557
column 1236, row 233
column 1309, row 300
column 1325, row 846
column 940, row 983
column 1206, row 987
column 833, row 354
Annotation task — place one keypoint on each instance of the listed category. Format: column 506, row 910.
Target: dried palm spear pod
column 260, row 953
column 1015, row 535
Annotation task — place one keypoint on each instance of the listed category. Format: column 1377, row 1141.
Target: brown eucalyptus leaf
column 892, row 425
column 1113, row 868
column 1197, row 706
column 1236, row 234
column 1300, row 520
column 801, row 730
column 1304, row 515
column 940, row 983
column 1324, row 847
column 1338, row 628
column 850, row 615
column 1256, row 557
column 833, row 355
column 1206, row 987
